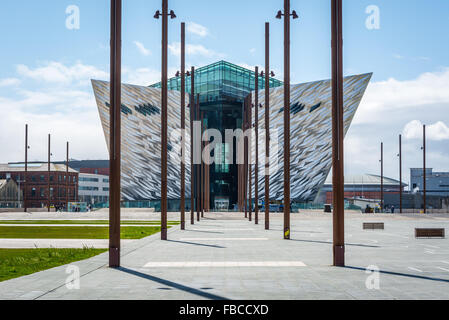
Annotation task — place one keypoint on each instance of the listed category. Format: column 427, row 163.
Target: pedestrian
column 392, row 209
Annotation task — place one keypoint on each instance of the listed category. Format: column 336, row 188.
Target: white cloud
column 141, row 76
column 58, row 73
column 144, row 51
column 193, row 49
column 8, row 82
column 197, row 29
column 437, row 131
column 393, row 95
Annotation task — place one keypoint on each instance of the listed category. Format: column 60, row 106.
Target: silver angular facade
column 311, row 135
column 141, row 140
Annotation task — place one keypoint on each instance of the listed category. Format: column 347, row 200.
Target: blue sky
column 45, row 68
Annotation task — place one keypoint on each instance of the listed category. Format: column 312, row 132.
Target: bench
column 429, row 232
column 373, row 226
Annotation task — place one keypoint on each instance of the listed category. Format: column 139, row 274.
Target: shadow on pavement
column 172, row 284
column 347, row 244
column 400, row 274
column 198, row 244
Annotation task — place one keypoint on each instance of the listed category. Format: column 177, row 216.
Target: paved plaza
column 227, row 257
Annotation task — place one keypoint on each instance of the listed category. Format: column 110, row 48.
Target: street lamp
column 381, row 176
column 48, row 177
column 423, row 148
column 25, row 183
column 286, row 16
column 267, row 124
column 115, row 133
column 400, row 173
column 183, row 74
column 338, row 216
column 164, row 102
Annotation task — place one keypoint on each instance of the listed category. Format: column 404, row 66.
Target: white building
column 93, row 188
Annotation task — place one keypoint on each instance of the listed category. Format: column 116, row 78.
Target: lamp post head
column 157, row 14
column 172, row 14
column 279, row 15
column 295, row 15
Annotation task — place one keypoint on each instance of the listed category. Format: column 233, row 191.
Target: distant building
column 437, row 183
column 36, row 193
column 10, row 194
column 367, row 186
column 93, row 188
column 90, row 166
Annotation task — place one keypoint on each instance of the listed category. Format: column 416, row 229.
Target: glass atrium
column 222, row 87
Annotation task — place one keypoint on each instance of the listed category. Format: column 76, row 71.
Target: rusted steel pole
column 245, row 158
column 424, row 170
column 400, row 173
column 67, row 180
column 48, row 177
column 286, row 119
column 337, row 134
column 202, row 167
column 25, row 183
column 164, row 102
column 250, row 157
column 382, row 177
column 267, row 126
column 256, row 127
column 198, row 167
column 192, row 171
column 115, row 134
column 183, row 126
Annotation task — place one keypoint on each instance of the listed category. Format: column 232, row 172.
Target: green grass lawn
column 87, row 232
column 131, row 222
column 15, row 263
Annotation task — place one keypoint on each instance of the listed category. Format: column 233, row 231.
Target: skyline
column 45, row 77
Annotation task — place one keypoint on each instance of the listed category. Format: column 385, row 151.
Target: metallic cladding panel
column 141, row 140
column 311, row 134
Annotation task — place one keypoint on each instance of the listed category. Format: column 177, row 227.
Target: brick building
column 36, row 193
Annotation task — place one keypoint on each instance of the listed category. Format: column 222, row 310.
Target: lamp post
column 202, row 167
column 198, row 167
column 337, row 134
column 67, row 178
column 256, row 128
column 115, row 134
column 381, row 176
column 250, row 153
column 182, row 74
column 164, row 101
column 287, row 16
column 400, row 173
column 25, row 182
column 192, row 171
column 48, row 173
column 267, row 125
column 424, row 169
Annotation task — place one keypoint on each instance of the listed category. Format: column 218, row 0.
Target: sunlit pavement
column 228, row 257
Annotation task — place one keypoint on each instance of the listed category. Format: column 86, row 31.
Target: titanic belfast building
column 223, row 89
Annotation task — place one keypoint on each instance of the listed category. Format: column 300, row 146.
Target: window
column 88, row 188
column 33, row 192
column 42, row 178
column 89, row 179
column 105, row 189
column 106, row 180
column 42, row 192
